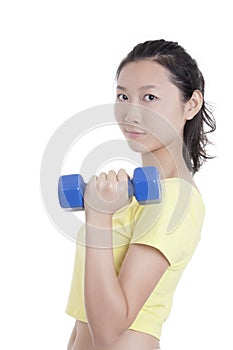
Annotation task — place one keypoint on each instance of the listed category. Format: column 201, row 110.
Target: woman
column 121, row 295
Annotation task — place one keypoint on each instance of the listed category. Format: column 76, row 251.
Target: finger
column 102, row 180
column 102, row 176
column 122, row 175
column 93, row 179
column 111, row 177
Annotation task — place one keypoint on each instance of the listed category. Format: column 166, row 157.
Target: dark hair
column 186, row 75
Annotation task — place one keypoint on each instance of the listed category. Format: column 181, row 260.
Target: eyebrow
column 141, row 88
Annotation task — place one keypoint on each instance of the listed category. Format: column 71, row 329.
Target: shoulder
column 181, row 199
column 174, row 225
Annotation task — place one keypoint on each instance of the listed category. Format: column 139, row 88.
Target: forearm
column 72, row 337
column 105, row 303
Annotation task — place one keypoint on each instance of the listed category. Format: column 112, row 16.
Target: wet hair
column 186, row 76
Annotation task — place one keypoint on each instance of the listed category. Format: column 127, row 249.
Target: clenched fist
column 107, row 193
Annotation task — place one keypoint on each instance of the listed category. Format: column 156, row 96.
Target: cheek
column 162, row 129
column 120, row 110
column 169, row 123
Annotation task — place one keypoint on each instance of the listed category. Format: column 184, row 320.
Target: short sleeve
column 174, row 225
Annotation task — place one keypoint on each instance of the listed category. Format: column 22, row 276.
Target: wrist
column 98, row 229
column 98, row 219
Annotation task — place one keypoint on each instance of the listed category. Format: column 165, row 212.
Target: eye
column 122, row 97
column 150, row 97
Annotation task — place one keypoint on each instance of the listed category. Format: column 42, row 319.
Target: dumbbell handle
column 71, row 188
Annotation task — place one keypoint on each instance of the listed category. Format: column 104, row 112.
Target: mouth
column 134, row 133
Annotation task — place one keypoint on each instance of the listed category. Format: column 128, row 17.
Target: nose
column 133, row 114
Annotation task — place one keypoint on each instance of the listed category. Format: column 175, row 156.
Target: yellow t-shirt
column 172, row 226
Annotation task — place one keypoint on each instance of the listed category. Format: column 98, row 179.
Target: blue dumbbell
column 145, row 186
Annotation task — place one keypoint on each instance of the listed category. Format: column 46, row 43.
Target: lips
column 134, row 132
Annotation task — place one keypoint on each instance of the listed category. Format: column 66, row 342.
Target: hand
column 107, row 193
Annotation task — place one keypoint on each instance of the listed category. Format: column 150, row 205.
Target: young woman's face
column 149, row 107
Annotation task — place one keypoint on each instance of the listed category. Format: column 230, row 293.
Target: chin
column 144, row 148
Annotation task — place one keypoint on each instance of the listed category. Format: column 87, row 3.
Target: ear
column 193, row 106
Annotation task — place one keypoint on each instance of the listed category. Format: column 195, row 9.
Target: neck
column 168, row 160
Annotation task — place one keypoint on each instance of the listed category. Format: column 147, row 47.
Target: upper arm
column 141, row 270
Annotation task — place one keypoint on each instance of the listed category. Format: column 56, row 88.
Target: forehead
column 143, row 72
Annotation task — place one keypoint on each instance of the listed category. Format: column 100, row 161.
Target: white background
column 58, row 58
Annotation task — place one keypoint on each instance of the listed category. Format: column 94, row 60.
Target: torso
column 130, row 340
